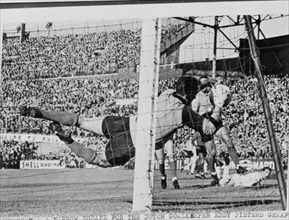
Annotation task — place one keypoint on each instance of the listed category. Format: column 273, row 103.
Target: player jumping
column 204, row 107
column 172, row 113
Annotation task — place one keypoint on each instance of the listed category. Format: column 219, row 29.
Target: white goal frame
column 146, row 117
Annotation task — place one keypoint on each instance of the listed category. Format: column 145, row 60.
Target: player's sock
column 173, row 168
column 226, row 173
column 162, row 169
column 227, row 159
column 164, row 182
column 197, row 167
column 218, row 171
column 210, row 160
column 164, row 176
column 193, row 163
column 200, row 171
column 233, row 154
column 64, row 118
column 86, row 153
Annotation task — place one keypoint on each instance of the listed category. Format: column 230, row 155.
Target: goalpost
column 146, row 121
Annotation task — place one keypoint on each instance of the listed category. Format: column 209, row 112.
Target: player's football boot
column 30, row 111
column 219, row 163
column 56, row 128
column 202, row 176
column 164, row 182
column 241, row 170
column 215, row 181
column 176, row 184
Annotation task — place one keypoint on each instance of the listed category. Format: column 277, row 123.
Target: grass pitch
column 87, row 192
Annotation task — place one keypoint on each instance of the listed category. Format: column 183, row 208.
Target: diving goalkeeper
column 173, row 112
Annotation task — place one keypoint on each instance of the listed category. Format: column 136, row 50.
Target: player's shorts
column 218, row 124
column 120, row 148
column 202, row 149
column 188, row 153
column 161, row 143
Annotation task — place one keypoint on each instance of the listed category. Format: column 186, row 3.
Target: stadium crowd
column 70, row 55
column 30, row 70
column 75, row 55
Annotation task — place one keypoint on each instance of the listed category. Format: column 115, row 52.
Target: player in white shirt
column 245, row 180
column 202, row 105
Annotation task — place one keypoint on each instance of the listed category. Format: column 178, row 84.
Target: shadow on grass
column 162, row 205
column 262, row 186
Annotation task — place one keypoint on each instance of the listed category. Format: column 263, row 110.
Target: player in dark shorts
column 202, row 104
column 172, row 113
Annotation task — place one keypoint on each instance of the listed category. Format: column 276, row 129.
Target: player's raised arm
column 220, row 96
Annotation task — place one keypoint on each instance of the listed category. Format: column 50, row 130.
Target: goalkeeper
column 172, row 113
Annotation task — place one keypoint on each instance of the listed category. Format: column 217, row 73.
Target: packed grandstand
column 31, row 72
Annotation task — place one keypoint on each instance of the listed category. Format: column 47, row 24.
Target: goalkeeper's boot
column 176, row 183
column 56, row 128
column 241, row 170
column 215, row 181
column 30, row 111
column 164, row 182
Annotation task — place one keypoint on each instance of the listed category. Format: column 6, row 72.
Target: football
column 220, row 93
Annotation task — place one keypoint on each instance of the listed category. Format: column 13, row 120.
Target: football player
column 168, row 145
column 245, row 180
column 203, row 105
column 172, row 112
